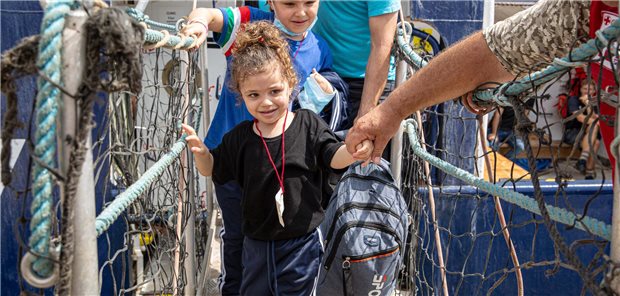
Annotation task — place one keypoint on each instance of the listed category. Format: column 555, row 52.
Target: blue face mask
column 312, row 97
column 288, row 32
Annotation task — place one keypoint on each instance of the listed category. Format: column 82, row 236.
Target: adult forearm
column 376, row 77
column 460, row 69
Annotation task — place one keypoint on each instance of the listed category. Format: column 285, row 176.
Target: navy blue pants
column 229, row 200
column 282, row 268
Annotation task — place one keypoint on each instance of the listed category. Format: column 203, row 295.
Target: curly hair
column 259, row 45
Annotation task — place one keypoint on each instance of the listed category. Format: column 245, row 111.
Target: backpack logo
column 378, row 281
column 371, row 240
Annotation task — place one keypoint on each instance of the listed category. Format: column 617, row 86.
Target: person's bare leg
column 590, row 164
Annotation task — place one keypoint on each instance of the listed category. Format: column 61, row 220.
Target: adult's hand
column 467, row 100
column 378, row 125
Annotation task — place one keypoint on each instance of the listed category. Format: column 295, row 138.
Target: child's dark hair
column 257, row 46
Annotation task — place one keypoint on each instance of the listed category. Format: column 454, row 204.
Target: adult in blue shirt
column 360, row 35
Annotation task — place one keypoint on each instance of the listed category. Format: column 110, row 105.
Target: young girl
column 279, row 159
column 295, row 19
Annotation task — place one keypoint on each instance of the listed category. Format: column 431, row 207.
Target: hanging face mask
column 288, row 32
column 312, row 97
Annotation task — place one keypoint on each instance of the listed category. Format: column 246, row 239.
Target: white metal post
column 210, row 204
column 142, row 4
column 488, row 18
column 397, row 141
column 615, row 216
column 190, row 246
column 85, row 266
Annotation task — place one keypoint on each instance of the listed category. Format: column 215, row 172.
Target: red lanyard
column 279, row 176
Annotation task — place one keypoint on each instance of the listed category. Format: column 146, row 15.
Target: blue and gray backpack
column 365, row 230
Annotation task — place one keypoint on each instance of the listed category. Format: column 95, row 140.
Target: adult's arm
column 507, row 49
column 382, row 30
column 458, row 70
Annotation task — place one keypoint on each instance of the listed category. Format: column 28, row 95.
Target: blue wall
column 467, row 217
column 454, row 19
column 17, row 20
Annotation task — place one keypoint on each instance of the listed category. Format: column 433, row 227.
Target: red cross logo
column 607, row 20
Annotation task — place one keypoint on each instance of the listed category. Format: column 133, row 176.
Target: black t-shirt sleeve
column 224, row 159
column 326, row 143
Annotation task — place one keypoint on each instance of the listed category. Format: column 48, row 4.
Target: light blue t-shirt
column 311, row 53
column 344, row 25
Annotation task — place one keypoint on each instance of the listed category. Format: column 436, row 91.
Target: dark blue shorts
column 229, row 200
column 284, row 267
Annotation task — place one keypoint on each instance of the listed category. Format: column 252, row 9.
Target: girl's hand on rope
column 198, row 28
column 467, row 100
column 197, row 147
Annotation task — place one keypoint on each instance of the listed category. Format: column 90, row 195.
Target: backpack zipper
column 375, row 255
column 349, row 225
column 353, row 205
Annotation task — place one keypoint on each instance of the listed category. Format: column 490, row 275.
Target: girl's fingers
column 188, row 129
column 193, row 139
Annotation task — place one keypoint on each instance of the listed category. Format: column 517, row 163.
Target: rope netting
column 157, row 210
column 509, row 217
column 152, row 218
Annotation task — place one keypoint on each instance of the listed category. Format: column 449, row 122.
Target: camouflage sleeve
column 529, row 40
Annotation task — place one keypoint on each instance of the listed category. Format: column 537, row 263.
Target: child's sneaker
column 590, row 175
column 581, row 166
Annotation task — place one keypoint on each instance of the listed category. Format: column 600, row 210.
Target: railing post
column 208, row 202
column 190, row 242
column 397, row 141
column 615, row 216
column 85, row 266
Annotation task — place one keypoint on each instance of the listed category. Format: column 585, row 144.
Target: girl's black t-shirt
column 309, row 146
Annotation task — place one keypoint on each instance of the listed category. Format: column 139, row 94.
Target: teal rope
column 50, row 64
column 152, row 36
column 557, row 68
column 557, row 214
column 141, row 17
column 123, row 200
column 408, row 51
